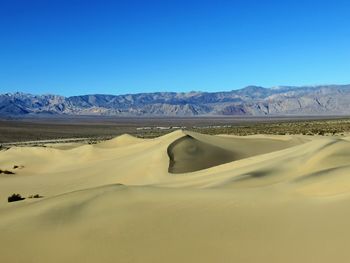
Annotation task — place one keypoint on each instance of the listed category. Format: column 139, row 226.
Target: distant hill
column 251, row 100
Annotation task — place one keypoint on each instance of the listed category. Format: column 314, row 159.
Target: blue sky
column 115, row 47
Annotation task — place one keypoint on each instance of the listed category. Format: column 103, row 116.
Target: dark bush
column 14, row 198
column 6, row 172
column 35, row 196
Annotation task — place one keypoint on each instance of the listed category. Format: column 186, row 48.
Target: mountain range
column 251, row 100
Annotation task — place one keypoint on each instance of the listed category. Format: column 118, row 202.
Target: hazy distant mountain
column 251, row 100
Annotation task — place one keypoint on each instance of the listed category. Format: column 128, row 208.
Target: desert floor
column 182, row 197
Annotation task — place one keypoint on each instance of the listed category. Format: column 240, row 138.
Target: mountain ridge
column 250, row 100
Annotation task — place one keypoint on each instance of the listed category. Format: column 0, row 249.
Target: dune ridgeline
column 182, row 197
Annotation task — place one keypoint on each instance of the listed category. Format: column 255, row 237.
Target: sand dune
column 183, row 197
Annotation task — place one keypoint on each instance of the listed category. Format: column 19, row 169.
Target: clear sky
column 72, row 47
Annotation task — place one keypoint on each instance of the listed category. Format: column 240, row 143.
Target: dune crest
column 122, row 140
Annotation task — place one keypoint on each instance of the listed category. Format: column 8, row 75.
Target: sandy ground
column 183, row 197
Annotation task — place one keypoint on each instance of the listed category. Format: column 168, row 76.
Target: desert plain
column 180, row 197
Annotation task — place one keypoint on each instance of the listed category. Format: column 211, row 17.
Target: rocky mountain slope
column 251, row 100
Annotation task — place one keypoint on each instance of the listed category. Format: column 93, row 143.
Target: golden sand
column 183, row 197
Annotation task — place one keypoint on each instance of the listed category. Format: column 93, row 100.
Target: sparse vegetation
column 18, row 167
column 309, row 127
column 95, row 129
column 35, row 196
column 14, row 198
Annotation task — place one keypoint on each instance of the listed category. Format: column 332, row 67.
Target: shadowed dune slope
column 188, row 154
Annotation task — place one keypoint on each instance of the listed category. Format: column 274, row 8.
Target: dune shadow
column 252, row 175
column 320, row 174
column 188, row 154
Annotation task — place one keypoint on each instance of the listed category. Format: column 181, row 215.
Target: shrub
column 6, row 172
column 35, row 196
column 14, row 198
